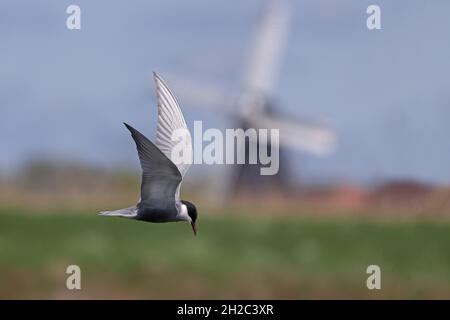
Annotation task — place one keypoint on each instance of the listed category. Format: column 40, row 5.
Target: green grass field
column 231, row 257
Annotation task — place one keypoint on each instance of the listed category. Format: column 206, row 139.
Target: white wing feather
column 172, row 129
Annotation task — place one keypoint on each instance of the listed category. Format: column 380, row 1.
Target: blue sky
column 66, row 93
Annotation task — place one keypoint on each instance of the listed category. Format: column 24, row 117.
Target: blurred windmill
column 253, row 106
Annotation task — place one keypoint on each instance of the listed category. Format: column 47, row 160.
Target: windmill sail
column 264, row 61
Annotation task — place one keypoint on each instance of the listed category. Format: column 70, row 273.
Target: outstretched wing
column 160, row 177
column 172, row 134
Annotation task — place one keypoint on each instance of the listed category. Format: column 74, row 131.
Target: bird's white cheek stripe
column 183, row 214
column 228, row 148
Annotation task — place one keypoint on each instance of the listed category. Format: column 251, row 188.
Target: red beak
column 194, row 228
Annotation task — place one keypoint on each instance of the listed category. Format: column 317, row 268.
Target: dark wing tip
column 129, row 127
column 134, row 133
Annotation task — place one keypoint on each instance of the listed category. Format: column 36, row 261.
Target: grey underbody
column 157, row 210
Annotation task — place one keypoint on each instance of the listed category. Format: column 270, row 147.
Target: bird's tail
column 130, row 212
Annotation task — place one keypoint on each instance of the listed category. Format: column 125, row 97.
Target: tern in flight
column 161, row 177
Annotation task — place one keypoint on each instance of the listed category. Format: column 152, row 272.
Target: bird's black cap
column 192, row 210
